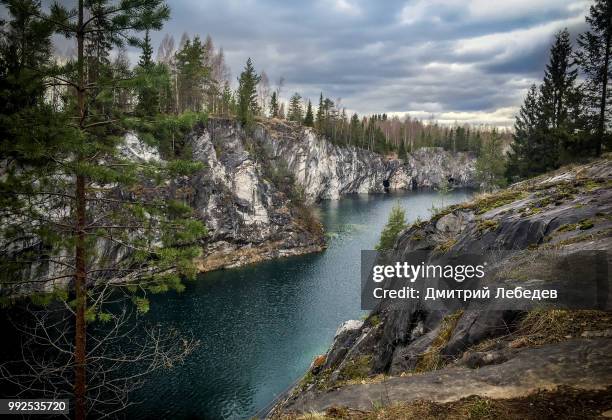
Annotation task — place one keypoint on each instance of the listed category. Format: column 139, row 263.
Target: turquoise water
column 261, row 326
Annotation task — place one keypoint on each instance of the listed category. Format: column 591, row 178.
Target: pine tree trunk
column 80, row 283
column 604, row 95
column 81, row 302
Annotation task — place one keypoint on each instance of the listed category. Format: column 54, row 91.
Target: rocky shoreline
column 409, row 354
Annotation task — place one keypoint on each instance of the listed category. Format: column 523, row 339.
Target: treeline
column 567, row 117
column 193, row 77
column 383, row 134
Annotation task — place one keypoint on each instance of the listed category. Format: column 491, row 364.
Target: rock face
column 328, row 171
column 251, row 218
column 582, row 364
column 566, row 211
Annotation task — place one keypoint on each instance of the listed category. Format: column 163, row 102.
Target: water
column 261, row 326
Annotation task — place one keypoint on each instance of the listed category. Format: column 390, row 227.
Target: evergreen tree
column 320, row 114
column 274, row 106
column 526, row 157
column 228, row 105
column 247, row 94
column 25, row 51
column 309, row 118
column 593, row 56
column 295, row 113
column 395, row 224
column 559, row 80
column 122, row 71
column 70, row 190
column 547, row 122
column 193, row 75
column 149, row 86
column 402, row 151
column 147, row 51
column 490, row 165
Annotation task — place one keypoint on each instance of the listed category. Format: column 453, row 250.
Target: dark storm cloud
column 458, row 59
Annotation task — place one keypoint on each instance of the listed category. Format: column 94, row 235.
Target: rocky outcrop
column 580, row 363
column 328, row 171
column 432, row 354
column 249, row 217
column 241, row 197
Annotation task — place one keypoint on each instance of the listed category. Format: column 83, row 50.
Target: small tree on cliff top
column 395, row 224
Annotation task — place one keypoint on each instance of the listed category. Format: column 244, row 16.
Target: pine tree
column 147, row 51
column 274, row 106
column 193, row 75
column 309, row 118
column 490, row 165
column 295, row 112
column 320, row 114
column 526, row 157
column 395, row 224
column 149, row 86
column 69, row 190
column 401, row 153
column 26, row 48
column 247, row 94
column 547, row 123
column 593, row 56
column 559, row 80
column 227, row 100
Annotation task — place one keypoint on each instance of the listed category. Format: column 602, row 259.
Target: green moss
column 592, row 185
column 320, row 381
column 481, row 409
column 486, row 225
column 584, row 224
column 531, row 211
column 417, row 237
column 438, row 213
column 374, row 320
column 446, row 245
column 490, row 202
column 357, row 368
column 418, row 223
column 432, row 360
column 567, row 227
column 582, row 238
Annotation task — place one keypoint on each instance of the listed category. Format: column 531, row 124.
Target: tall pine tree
column 248, row 106
column 309, row 117
column 73, row 196
column 593, row 56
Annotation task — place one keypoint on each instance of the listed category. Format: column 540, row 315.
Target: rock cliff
column 256, row 188
column 399, row 355
column 328, row 171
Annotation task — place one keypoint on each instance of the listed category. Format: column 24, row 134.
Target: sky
column 465, row 61
column 458, row 60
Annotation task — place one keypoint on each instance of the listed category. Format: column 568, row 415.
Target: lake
column 261, row 326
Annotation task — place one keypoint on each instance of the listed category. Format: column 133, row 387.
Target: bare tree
column 263, row 91
column 122, row 351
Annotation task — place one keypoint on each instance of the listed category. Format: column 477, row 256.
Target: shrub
column 396, row 223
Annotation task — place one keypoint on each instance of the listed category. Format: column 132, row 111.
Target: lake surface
column 260, row 326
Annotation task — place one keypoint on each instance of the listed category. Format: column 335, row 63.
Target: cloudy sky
column 458, row 60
